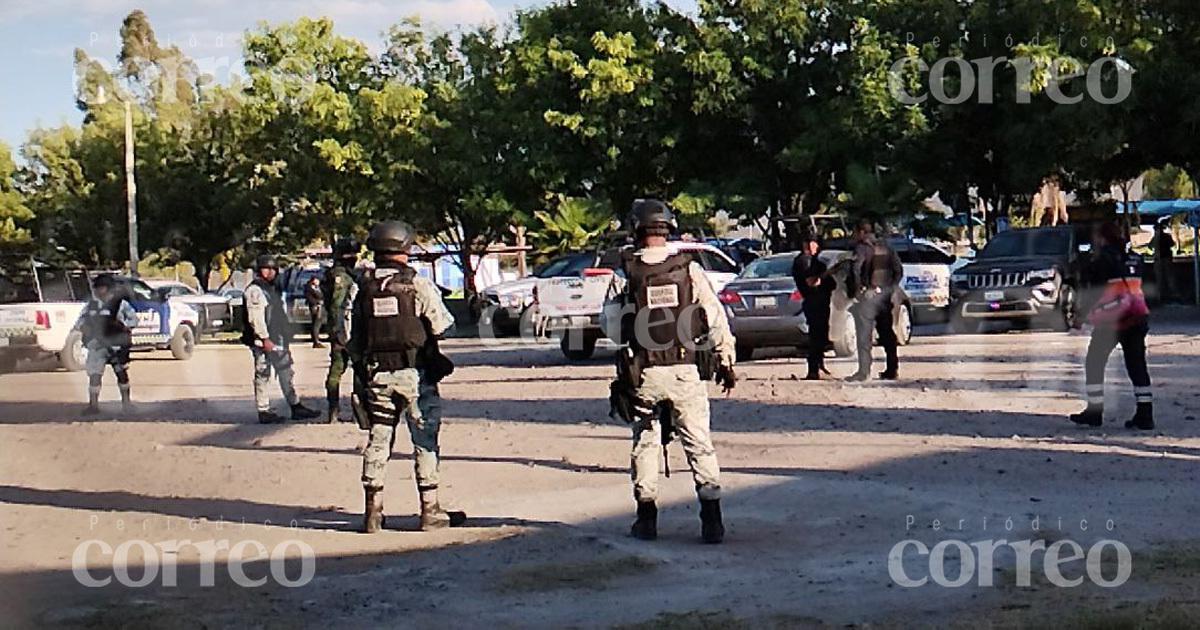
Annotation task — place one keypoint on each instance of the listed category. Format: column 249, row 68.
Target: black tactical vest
column 395, row 333
column 100, row 323
column 881, row 268
column 667, row 320
column 277, row 318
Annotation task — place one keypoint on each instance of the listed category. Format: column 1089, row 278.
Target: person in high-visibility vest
column 1118, row 315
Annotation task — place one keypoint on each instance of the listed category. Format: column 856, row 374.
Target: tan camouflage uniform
column 390, row 396
column 680, row 385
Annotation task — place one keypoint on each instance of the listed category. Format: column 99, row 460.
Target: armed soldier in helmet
column 339, row 280
column 266, row 332
column 106, row 325
column 393, row 322
column 672, row 320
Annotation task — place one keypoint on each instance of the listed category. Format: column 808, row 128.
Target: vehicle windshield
column 1018, row 243
column 773, row 267
column 572, row 265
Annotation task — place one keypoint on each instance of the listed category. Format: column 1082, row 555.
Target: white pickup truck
column 570, row 307
column 38, row 313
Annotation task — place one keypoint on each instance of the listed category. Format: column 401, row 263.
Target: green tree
column 593, row 77
column 574, row 225
column 14, row 214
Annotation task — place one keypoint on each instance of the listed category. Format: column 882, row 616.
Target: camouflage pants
column 339, row 362
column 681, row 386
column 279, row 361
column 99, row 356
column 390, row 397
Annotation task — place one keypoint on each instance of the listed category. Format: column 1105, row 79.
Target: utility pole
column 131, row 191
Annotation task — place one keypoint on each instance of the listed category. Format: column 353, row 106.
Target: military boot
column 712, row 530
column 300, row 412
column 1093, row 416
column 432, row 515
column 270, row 417
column 1143, row 418
column 373, row 513
column 646, row 525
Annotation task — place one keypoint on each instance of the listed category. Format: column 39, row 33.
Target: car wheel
column 580, row 353
column 744, row 353
column 904, row 325
column 183, row 342
column 73, row 357
column 846, row 344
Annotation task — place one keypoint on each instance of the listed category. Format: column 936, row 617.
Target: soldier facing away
column 393, row 323
column 672, row 303
column 266, row 332
column 339, row 280
column 106, row 325
column 873, row 283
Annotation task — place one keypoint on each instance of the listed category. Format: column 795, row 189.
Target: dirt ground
column 821, row 480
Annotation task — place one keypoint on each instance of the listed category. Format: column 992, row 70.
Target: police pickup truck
column 570, row 307
column 40, row 306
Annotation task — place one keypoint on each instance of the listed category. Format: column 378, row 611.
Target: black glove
column 727, row 378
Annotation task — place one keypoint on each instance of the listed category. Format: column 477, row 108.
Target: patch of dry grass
column 571, row 575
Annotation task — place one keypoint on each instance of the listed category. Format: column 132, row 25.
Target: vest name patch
column 662, row 296
column 385, row 306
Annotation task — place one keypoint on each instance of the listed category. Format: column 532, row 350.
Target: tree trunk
column 470, row 293
column 203, row 272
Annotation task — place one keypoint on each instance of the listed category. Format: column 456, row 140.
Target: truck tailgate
column 570, row 296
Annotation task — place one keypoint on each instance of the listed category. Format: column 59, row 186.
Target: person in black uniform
column 808, row 271
column 874, row 277
column 1118, row 315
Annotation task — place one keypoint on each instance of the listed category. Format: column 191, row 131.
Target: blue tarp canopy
column 1160, row 207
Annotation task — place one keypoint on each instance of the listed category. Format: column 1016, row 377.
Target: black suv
column 1021, row 276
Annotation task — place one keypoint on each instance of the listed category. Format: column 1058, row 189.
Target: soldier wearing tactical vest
column 339, row 279
column 266, row 332
column 873, row 282
column 106, row 325
column 672, row 304
column 393, row 322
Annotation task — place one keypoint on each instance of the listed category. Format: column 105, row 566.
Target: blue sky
column 38, row 37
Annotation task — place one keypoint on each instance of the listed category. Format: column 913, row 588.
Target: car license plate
column 580, row 320
column 993, row 296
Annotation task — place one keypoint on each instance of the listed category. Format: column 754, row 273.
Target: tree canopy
column 562, row 116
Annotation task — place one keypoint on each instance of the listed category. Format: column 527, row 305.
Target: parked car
column 572, row 307
column 509, row 304
column 926, row 278
column 215, row 311
column 291, row 283
column 1022, row 276
column 764, row 308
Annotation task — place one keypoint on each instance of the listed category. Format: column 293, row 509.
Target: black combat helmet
column 647, row 212
column 266, row 261
column 104, row 280
column 345, row 248
column 390, row 237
